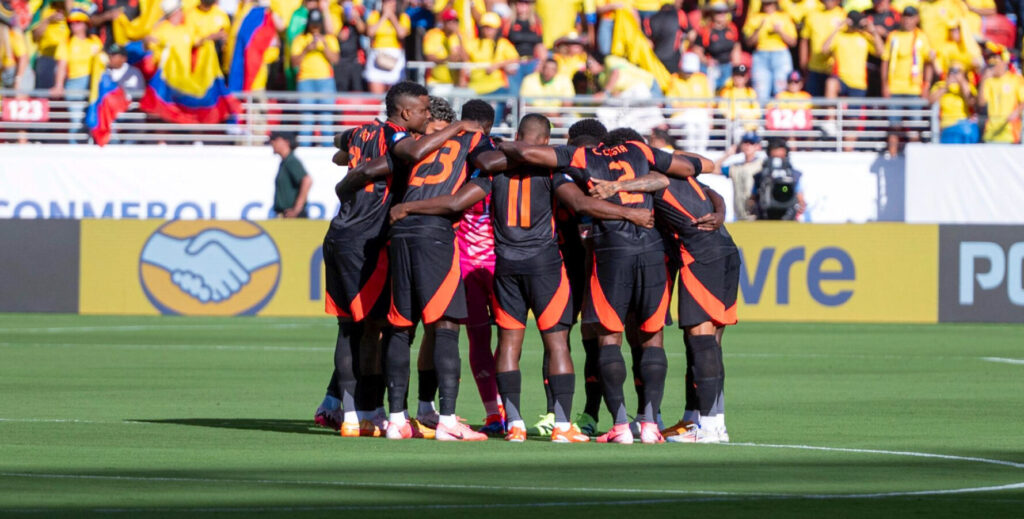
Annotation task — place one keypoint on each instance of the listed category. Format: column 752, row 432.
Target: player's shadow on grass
column 247, row 424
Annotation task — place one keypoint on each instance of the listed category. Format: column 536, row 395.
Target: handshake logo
column 209, row 268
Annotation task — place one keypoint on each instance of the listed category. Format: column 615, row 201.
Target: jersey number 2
column 627, row 174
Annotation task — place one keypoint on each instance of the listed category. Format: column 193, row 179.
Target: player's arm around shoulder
column 571, row 195
column 649, row 183
column 682, row 164
column 415, row 150
column 537, row 155
column 463, row 199
column 359, row 176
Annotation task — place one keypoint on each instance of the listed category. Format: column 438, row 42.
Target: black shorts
column 576, row 271
column 356, row 277
column 426, row 281
column 547, row 294
column 620, row 285
column 707, row 292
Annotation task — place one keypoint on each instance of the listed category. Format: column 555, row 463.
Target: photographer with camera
column 777, row 193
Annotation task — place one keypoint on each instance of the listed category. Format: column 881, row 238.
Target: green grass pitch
column 166, row 416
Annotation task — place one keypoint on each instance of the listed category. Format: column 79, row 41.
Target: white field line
column 949, row 457
column 880, row 451
column 1004, row 360
column 691, row 495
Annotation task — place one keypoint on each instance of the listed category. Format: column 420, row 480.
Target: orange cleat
column 570, row 435
column 516, row 434
column 350, row 430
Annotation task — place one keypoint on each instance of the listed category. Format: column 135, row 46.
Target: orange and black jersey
column 366, row 211
column 676, row 208
column 567, row 225
column 441, row 173
column 625, row 162
column 521, row 212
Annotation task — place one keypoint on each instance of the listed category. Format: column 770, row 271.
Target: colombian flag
column 106, row 101
column 629, row 42
column 188, row 87
column 255, row 35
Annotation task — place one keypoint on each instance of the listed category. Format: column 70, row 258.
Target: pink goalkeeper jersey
column 476, row 237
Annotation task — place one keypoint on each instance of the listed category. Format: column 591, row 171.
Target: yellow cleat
column 421, row 431
column 679, row 429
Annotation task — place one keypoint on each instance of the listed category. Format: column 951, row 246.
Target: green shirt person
column 291, row 187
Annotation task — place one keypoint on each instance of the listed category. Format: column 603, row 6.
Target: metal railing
column 834, row 124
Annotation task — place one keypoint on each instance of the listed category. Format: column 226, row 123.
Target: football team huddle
column 444, row 225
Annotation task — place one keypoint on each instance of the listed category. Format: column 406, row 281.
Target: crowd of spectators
column 752, row 55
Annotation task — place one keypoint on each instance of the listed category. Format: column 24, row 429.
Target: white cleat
column 695, row 434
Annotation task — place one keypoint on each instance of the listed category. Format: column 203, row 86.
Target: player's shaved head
column 479, row 111
column 586, row 127
column 407, row 105
column 534, row 129
column 621, row 136
column 400, row 92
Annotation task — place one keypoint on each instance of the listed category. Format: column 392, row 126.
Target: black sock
column 636, row 353
column 379, row 385
column 563, row 387
column 396, row 365
column 510, row 386
column 449, row 369
column 653, row 367
column 428, row 385
column 719, row 407
column 545, row 370
column 613, row 375
column 707, row 371
column 688, row 386
column 332, row 386
column 592, row 378
column 346, row 364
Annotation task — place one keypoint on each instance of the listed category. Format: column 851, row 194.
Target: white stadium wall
column 237, row 183
column 965, row 184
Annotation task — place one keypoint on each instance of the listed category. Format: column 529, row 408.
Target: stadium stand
column 230, row 74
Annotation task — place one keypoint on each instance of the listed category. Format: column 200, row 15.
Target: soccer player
column 476, row 253
column 577, row 251
column 426, row 281
column 709, row 278
column 355, row 259
column 529, row 271
column 629, row 274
